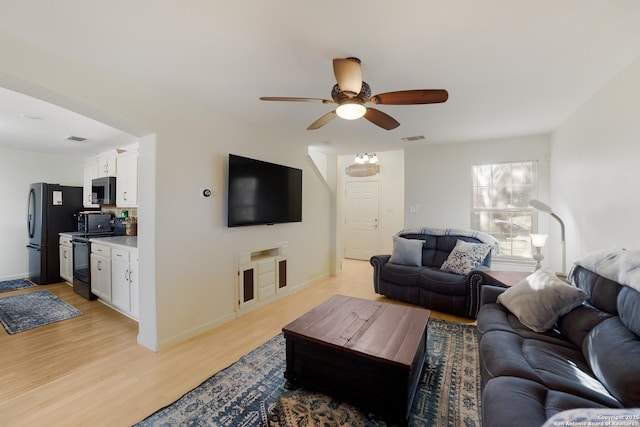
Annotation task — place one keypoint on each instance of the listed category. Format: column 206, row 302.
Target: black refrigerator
column 51, row 210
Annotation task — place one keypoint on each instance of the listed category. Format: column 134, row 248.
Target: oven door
column 81, row 264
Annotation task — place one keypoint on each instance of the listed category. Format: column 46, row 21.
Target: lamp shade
column 351, row 110
column 538, row 240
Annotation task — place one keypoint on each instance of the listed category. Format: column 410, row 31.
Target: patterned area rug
column 251, row 391
column 27, row 311
column 14, row 285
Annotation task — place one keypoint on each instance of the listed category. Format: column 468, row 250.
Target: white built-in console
column 262, row 275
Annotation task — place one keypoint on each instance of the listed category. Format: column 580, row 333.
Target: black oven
column 82, row 266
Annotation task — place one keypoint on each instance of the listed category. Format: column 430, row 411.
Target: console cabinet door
column 248, row 284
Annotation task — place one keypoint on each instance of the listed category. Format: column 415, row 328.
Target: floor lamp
column 546, row 208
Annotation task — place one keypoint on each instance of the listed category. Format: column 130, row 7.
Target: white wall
column 596, row 169
column 391, row 195
column 438, row 178
column 19, row 169
column 188, row 262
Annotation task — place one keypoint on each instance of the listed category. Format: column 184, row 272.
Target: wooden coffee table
column 363, row 352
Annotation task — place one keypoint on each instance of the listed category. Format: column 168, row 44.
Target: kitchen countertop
column 129, row 241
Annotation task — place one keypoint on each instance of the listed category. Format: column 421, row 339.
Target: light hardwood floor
column 90, row 371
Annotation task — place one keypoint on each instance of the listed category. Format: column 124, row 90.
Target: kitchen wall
column 19, row 169
column 188, row 257
column 595, row 169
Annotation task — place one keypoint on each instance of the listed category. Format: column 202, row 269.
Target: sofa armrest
column 489, row 293
column 378, row 261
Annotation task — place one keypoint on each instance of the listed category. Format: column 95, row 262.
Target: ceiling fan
column 351, row 93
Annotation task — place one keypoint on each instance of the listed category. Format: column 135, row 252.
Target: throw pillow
column 539, row 299
column 407, row 251
column 465, row 256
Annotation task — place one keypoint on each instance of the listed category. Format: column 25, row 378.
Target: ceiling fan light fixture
column 351, row 110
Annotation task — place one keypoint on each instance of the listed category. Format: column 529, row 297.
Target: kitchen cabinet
column 66, row 259
column 124, row 280
column 117, row 285
column 127, row 179
column 90, row 172
column 101, row 271
column 107, row 163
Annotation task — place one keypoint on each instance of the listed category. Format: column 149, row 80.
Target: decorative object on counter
column 546, row 208
column 538, row 241
column 131, row 226
column 14, row 285
column 243, row 394
column 34, row 309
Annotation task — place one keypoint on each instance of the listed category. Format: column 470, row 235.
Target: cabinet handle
column 65, row 254
column 126, row 275
column 99, row 265
column 124, row 195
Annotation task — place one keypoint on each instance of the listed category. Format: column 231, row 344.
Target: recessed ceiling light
column 30, row 116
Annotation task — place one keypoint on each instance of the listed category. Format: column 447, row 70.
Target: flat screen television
column 262, row 193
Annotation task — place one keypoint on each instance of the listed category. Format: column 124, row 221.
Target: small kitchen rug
column 14, row 285
column 27, row 311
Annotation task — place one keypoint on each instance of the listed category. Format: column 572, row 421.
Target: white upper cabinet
column 127, row 179
column 107, row 163
column 90, row 172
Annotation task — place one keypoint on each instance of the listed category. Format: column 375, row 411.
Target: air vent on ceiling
column 412, row 138
column 76, row 138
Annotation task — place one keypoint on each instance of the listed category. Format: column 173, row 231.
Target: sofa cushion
column 509, row 401
column 406, row 251
column 539, row 299
column 435, row 280
column 603, row 293
column 465, row 257
column 403, row 275
column 613, row 352
column 576, row 324
column 557, row 367
column 628, row 303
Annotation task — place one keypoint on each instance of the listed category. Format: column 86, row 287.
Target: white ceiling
column 511, row 67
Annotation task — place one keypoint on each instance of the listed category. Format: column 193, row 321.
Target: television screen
column 262, row 192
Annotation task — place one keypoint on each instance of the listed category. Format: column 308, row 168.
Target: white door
column 361, row 220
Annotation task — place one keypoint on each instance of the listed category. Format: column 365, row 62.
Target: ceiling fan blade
column 410, row 97
column 322, row 120
column 284, row 98
column 381, row 119
column 348, row 74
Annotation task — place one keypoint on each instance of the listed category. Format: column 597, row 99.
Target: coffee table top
column 371, row 328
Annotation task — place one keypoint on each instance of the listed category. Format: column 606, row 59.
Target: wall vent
column 413, row 138
column 76, row 138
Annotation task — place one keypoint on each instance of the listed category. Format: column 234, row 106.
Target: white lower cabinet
column 124, row 280
column 66, row 259
column 101, row 271
column 117, row 284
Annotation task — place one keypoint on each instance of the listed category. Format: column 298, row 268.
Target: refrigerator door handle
column 36, row 247
column 31, row 213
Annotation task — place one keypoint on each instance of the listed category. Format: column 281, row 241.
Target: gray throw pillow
column 407, row 251
column 539, row 299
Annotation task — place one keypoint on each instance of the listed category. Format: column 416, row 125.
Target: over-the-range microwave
column 103, row 190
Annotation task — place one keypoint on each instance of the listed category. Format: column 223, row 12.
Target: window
column 500, row 206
